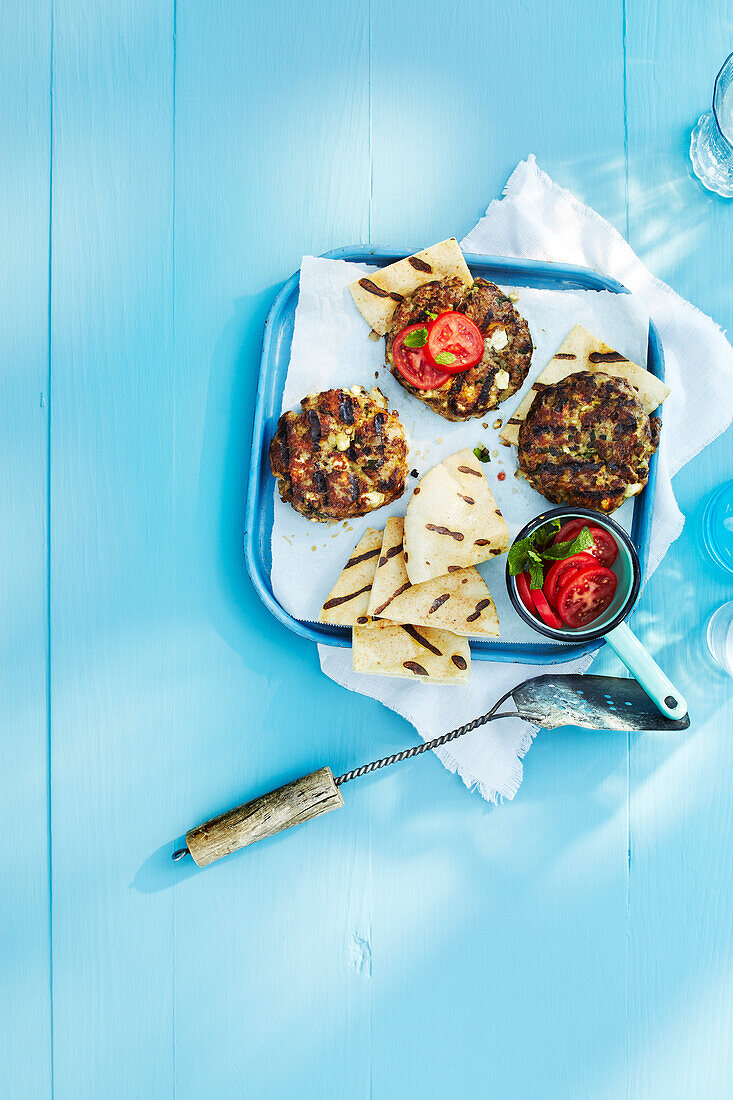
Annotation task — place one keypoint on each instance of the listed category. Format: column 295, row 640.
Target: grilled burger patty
column 587, row 441
column 507, row 346
column 343, row 456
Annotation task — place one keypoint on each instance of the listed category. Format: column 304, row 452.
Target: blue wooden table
column 164, row 167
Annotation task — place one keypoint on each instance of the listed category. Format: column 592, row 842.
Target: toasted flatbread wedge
column 459, row 602
column 391, row 577
column 452, row 520
column 430, row 656
column 348, row 600
column 378, row 294
column 584, row 351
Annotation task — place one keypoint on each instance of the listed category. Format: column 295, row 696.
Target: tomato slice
column 604, row 548
column 544, row 610
column 560, row 571
column 525, row 593
column 569, row 530
column 455, row 343
column 414, row 365
column 586, row 595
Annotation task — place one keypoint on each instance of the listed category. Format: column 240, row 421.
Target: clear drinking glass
column 711, row 146
column 717, row 526
column 720, row 636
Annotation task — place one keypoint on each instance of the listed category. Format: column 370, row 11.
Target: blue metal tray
column 277, row 339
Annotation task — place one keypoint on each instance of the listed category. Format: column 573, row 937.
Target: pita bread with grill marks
column 347, row 602
column 452, row 520
column 459, row 602
column 377, row 295
column 584, row 351
column 423, row 654
column 391, row 577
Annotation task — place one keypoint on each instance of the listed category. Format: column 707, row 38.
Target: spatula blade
column 594, row 702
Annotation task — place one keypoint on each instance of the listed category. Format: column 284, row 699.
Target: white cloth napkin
column 537, row 219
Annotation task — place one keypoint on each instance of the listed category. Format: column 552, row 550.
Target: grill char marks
column 479, row 608
column 377, row 291
column 338, row 600
column 473, row 392
column 346, row 408
column 420, row 265
column 413, row 666
column 436, row 604
column 587, row 441
column 421, row 640
column 457, row 535
column 358, row 558
column 605, row 357
column 391, row 553
column 343, row 456
column 314, row 425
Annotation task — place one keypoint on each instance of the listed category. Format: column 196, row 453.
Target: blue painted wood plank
column 500, row 938
column 25, row 139
column 273, row 945
column 112, row 609
column 681, row 807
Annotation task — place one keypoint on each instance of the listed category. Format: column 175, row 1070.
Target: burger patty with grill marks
column 507, row 346
column 587, row 441
column 344, row 455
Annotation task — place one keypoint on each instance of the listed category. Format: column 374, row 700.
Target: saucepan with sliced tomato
column 574, row 575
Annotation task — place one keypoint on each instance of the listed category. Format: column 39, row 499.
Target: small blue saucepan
column 610, row 625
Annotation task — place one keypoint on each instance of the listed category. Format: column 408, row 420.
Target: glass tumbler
column 711, row 145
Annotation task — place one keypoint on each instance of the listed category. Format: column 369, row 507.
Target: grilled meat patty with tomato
column 502, row 368
column 343, row 456
column 587, row 441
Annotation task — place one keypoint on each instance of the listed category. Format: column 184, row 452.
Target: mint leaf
column 544, row 535
column 536, row 574
column 482, row 455
column 518, row 556
column 417, row 338
column 445, row 358
column 561, row 550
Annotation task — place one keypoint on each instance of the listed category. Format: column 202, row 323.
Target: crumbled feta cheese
column 502, row 379
column 498, row 339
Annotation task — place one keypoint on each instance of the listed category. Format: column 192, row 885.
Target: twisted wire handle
column 425, row 746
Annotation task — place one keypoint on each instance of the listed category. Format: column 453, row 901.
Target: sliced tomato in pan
column 569, row 530
column 586, row 595
column 560, row 571
column 413, row 362
column 604, row 548
column 544, row 610
column 524, row 592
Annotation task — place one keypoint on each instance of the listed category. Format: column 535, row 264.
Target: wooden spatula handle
column 292, row 804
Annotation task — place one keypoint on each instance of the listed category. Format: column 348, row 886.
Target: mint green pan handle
column 645, row 669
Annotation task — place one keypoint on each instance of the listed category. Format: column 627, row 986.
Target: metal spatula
column 594, row 702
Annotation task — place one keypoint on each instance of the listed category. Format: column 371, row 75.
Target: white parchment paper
column 331, row 348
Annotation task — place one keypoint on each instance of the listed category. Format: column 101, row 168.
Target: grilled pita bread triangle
column 422, row 654
column 377, row 295
column 391, row 576
column 459, row 602
column 347, row 602
column 584, row 351
column 452, row 520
